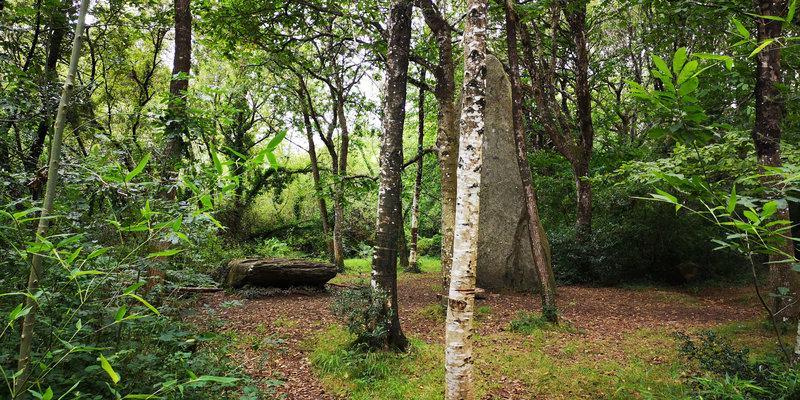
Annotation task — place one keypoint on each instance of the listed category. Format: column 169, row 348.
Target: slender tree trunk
column 412, row 245
column 384, row 262
column 538, row 240
column 177, row 126
column 402, row 242
column 338, row 207
column 323, row 208
column 461, row 298
column 446, row 135
column 767, row 137
column 37, row 271
column 576, row 18
column 59, row 26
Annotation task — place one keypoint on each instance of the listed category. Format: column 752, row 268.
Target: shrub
column 361, row 309
column 727, row 373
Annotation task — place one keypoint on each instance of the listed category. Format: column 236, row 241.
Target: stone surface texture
column 505, row 260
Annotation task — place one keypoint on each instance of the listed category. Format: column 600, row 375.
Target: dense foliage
column 273, row 151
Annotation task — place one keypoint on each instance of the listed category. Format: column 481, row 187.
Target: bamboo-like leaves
column 139, row 168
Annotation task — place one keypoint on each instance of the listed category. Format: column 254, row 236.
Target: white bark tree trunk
column 458, row 340
column 21, row 383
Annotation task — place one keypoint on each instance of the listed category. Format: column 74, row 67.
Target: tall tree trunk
column 37, row 271
column 767, row 137
column 177, row 127
column 312, row 154
column 412, row 245
column 338, row 200
column 59, row 26
column 538, row 240
column 576, row 18
column 461, row 297
column 384, row 262
column 446, row 134
column 402, row 242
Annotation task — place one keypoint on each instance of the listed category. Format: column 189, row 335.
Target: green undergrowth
column 356, row 373
column 361, row 268
column 558, row 363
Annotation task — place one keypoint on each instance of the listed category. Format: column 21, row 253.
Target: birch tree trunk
column 384, row 262
column 37, row 271
column 412, row 244
column 461, row 297
column 539, row 244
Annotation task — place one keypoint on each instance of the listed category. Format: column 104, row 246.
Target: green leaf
column 139, row 168
column 272, row 161
column 796, row 267
column 729, row 64
column 768, row 210
column 661, row 65
column 18, row 215
column 110, row 371
column 678, row 60
column 761, row 47
column 236, row 153
column 144, row 302
column 770, row 17
column 688, row 86
column 176, row 226
column 731, row 201
column 215, row 158
column 708, row 56
column 132, row 288
column 165, row 253
column 790, row 13
column 276, row 141
column 48, row 394
column 687, row 71
column 121, row 313
column 753, row 217
column 218, row 379
column 742, row 30
column 191, row 185
column 206, row 200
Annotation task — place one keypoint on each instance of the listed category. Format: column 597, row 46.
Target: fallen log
column 278, row 272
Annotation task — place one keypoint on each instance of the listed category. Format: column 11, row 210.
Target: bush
column 726, row 372
column 361, row 309
column 527, row 323
column 431, row 247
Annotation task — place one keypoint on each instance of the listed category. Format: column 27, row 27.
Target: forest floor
column 612, row 343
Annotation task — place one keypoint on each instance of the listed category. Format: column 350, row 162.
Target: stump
column 278, row 272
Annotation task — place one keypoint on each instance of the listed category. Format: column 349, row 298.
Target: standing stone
column 505, row 260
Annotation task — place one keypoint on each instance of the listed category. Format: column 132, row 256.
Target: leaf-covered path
column 273, row 332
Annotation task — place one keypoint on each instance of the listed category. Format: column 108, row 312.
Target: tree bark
column 37, row 271
column 338, row 200
column 59, row 26
column 538, row 240
column 446, row 134
column 384, row 262
column 412, row 245
column 575, row 13
column 177, row 127
column 312, row 154
column 461, row 297
column 766, row 135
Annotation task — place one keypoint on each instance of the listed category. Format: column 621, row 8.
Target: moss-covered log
column 278, row 272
